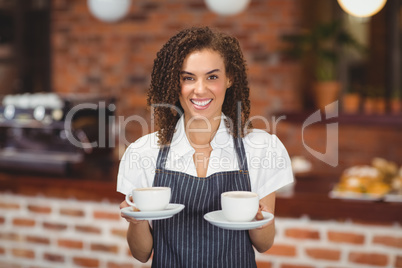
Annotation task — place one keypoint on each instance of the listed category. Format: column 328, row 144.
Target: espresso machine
column 47, row 133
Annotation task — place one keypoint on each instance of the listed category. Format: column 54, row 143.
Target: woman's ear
column 229, row 83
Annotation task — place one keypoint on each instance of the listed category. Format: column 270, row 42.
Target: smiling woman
column 202, row 150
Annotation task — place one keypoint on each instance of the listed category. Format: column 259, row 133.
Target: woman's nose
column 200, row 86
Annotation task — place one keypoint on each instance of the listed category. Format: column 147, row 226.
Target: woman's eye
column 212, row 77
column 187, row 78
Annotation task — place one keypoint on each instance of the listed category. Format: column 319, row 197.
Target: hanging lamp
column 109, row 10
column 362, row 8
column 227, row 7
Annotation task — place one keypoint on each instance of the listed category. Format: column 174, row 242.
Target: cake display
column 369, row 182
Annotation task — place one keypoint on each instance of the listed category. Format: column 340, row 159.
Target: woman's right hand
column 128, row 218
column 139, row 236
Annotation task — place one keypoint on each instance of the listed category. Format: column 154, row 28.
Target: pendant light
column 109, row 10
column 227, row 7
column 362, row 8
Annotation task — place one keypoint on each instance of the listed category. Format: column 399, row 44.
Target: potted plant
column 374, row 103
column 381, row 102
column 322, row 47
column 351, row 101
column 396, row 102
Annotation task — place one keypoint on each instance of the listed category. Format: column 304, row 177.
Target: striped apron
column 186, row 239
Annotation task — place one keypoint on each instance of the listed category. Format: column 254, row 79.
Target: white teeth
column 201, row 103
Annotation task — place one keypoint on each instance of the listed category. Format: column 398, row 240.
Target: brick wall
column 92, row 57
column 47, row 232
column 42, row 232
column 306, row 243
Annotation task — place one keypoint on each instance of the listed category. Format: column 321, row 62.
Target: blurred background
column 324, row 77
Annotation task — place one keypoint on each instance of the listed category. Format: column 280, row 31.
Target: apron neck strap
column 241, row 153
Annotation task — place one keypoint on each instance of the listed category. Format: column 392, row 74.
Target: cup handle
column 129, row 201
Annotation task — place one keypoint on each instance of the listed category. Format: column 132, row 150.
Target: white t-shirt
column 267, row 159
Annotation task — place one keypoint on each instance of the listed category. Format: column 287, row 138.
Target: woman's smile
column 201, row 104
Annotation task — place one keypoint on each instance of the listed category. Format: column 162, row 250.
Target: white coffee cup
column 239, row 206
column 149, row 198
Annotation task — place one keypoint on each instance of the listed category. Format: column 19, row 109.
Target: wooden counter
column 309, row 199
column 93, row 183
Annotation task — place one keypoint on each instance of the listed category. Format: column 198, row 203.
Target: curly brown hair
column 164, row 91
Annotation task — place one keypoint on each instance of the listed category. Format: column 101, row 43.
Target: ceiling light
column 109, row 10
column 362, row 8
column 227, row 7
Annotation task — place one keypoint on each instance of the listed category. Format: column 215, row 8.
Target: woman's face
column 203, row 84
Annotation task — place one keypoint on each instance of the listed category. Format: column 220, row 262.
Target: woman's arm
column 263, row 237
column 139, row 237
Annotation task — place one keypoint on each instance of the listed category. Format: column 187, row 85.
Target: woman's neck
column 201, row 131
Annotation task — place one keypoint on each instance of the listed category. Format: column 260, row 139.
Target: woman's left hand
column 263, row 237
column 259, row 215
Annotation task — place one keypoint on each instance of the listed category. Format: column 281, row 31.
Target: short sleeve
column 137, row 166
column 268, row 162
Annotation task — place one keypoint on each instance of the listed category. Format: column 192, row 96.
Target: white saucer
column 217, row 218
column 168, row 212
